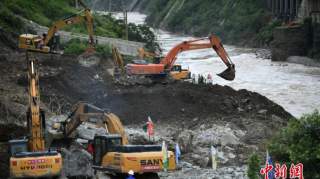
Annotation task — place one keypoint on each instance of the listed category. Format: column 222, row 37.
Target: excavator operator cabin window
column 18, row 146
column 176, row 68
column 97, row 151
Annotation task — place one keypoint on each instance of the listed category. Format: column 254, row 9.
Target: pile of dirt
column 180, row 105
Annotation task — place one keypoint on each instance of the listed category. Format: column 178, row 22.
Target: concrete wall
column 316, row 41
column 290, row 41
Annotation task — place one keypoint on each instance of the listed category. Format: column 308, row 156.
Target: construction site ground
column 237, row 123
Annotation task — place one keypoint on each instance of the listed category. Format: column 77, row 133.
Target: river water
column 293, row 86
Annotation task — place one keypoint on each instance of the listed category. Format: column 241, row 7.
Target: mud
column 178, row 105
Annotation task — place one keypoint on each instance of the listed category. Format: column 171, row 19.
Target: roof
column 29, row 35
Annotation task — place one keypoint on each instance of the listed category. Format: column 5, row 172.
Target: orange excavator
column 167, row 64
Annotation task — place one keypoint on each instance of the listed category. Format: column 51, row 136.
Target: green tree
column 299, row 142
column 253, row 166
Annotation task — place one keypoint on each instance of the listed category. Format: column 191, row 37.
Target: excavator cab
column 104, row 144
column 18, row 146
column 178, row 73
column 32, row 42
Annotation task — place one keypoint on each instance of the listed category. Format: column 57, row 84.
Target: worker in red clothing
column 90, row 148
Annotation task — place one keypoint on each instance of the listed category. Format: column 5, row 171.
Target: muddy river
column 293, row 86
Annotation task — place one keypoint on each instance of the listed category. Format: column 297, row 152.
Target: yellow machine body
column 140, row 162
column 178, row 73
column 32, row 42
column 42, row 166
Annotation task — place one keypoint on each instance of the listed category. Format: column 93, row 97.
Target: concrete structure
column 310, row 8
column 286, row 10
column 289, row 10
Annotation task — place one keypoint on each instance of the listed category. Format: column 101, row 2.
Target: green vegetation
column 45, row 12
column 76, row 46
column 146, row 36
column 299, row 142
column 232, row 20
column 265, row 34
column 253, row 166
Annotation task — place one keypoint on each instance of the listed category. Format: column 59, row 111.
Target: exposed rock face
column 77, row 162
column 290, row 41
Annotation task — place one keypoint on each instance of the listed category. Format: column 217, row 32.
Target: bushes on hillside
column 299, row 142
column 232, row 20
column 77, row 47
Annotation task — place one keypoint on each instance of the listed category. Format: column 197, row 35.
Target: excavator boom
column 29, row 157
column 82, row 112
column 36, row 141
column 75, row 19
column 211, row 42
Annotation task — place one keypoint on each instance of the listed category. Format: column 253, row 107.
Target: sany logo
column 151, row 162
column 280, row 171
column 37, row 161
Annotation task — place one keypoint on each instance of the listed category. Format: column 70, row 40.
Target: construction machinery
column 48, row 43
column 167, row 64
column 85, row 112
column 29, row 156
column 118, row 61
column 145, row 54
column 112, row 152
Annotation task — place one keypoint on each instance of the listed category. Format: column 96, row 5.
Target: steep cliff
column 232, row 20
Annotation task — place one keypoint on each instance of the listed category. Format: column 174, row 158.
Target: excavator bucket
column 228, row 74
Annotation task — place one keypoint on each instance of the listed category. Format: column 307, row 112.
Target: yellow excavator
column 48, row 44
column 111, row 152
column 29, row 156
column 118, row 61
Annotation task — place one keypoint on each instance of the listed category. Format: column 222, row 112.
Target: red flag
column 150, row 126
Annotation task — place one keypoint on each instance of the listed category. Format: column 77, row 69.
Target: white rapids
column 293, row 86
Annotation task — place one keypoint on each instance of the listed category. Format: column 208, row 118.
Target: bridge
column 290, row 10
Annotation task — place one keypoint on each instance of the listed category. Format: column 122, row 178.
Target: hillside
column 14, row 12
column 232, row 20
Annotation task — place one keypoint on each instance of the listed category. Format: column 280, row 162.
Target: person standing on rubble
column 193, row 77
column 209, row 78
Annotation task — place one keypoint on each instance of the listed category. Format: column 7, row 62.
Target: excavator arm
column 203, row 43
column 82, row 112
column 75, row 19
column 35, row 119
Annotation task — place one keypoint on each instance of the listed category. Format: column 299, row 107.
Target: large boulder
column 77, row 162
